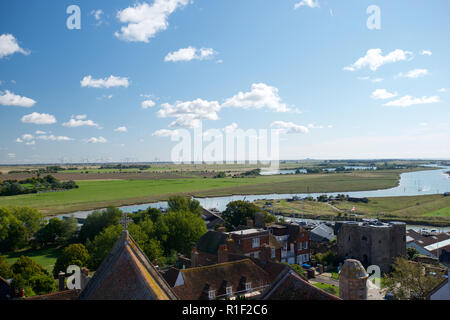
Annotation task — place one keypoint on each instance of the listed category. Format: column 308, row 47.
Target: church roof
column 127, row 274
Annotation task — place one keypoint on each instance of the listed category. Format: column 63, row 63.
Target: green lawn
column 328, row 288
column 102, row 193
column 45, row 257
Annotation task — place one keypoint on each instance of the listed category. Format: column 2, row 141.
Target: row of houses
column 127, row 274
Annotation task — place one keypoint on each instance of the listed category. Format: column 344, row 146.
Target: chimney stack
column 222, row 254
column 84, row 277
column 194, row 258
column 61, row 281
column 260, row 220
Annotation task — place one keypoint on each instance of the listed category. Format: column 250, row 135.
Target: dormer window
column 248, row 286
column 229, row 290
column 212, row 294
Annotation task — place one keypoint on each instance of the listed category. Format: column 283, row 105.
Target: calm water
column 411, row 184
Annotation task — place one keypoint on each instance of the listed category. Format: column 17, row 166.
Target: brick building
column 216, row 246
column 294, row 240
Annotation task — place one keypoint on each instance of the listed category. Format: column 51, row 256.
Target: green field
column 45, row 257
column 102, row 193
column 426, row 209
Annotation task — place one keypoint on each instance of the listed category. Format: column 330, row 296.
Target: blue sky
column 338, row 89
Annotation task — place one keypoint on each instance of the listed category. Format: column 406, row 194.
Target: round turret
column 353, row 281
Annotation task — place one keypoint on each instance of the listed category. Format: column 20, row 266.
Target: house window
column 273, row 254
column 212, row 294
column 256, row 255
column 285, row 246
column 248, row 286
column 306, row 245
column 300, row 246
column 229, row 291
column 255, row 243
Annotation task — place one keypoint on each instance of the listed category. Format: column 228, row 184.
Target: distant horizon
column 211, row 163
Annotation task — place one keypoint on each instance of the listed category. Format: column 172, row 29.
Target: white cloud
column 121, row 129
column 413, row 74
column 289, row 127
column 375, row 59
column 79, row 121
column 190, row 113
column 165, row 133
column 148, row 104
column 144, row 21
column 9, row 46
column 25, row 138
column 98, row 16
column 231, row 128
column 426, row 52
column 10, row 99
column 313, row 126
column 442, row 90
column 190, row 53
column 110, row 82
column 374, row 80
column 261, row 95
column 407, row 101
column 307, row 3
column 40, row 132
column 39, row 118
column 54, row 138
column 97, row 140
column 11, row 155
column 382, row 94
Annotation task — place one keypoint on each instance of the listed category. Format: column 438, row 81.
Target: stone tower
column 353, row 281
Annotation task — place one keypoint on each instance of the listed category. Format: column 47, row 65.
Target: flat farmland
column 94, row 194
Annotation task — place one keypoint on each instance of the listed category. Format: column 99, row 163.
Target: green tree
column 412, row 253
column 74, row 254
column 17, row 225
column 410, row 281
column 42, row 284
column 237, row 213
column 179, row 203
column 184, row 230
column 102, row 244
column 5, row 269
column 56, row 231
column 32, row 277
column 97, row 221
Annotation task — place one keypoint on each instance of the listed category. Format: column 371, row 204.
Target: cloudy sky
column 121, row 86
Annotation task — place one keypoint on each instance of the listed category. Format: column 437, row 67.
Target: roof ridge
column 219, row 264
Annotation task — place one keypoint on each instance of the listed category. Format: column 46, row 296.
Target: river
column 411, row 184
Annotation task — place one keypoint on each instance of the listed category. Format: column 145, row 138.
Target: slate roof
column 198, row 281
column 322, row 233
column 127, row 274
column 5, row 289
column 435, row 244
